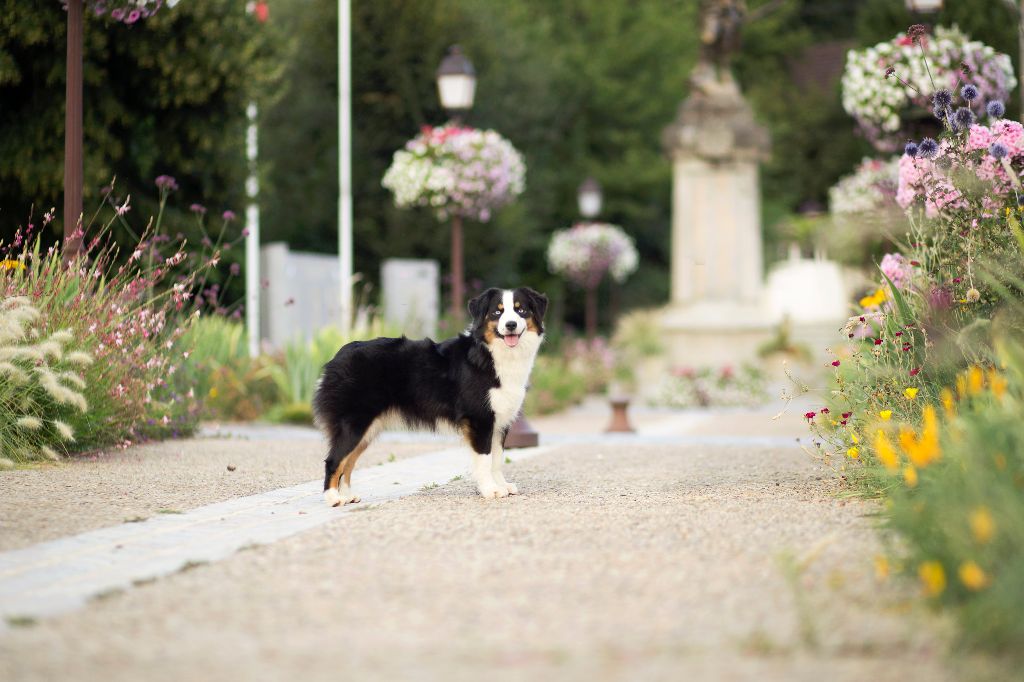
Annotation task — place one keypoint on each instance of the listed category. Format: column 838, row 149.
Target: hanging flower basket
column 456, row 171
column 885, row 108
column 584, row 253
column 124, row 11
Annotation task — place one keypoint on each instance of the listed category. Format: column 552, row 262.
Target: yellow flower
column 961, row 386
column 213, row 392
column 924, row 449
column 881, row 568
column 9, row 264
column 910, row 393
column 854, row 438
column 983, row 526
column 910, row 476
column 972, row 576
column 873, row 300
column 997, row 382
column 885, row 415
column 853, row 453
column 975, row 380
column 933, row 577
column 885, row 451
column 947, row 402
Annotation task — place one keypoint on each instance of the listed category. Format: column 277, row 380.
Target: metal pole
column 73, row 131
column 458, row 278
column 1020, row 56
column 252, row 242
column 345, row 161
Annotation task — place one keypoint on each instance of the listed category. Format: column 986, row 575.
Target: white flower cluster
column 871, row 187
column 585, row 252
column 879, row 104
column 456, row 171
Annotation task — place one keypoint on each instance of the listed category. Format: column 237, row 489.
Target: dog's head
column 508, row 316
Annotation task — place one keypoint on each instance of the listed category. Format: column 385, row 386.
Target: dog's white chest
column 513, row 366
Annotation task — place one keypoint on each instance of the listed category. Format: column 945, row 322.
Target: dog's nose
column 510, row 325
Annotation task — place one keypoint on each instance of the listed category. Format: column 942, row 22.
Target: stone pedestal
column 717, row 314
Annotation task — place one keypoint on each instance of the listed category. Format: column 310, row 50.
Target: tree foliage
column 165, row 95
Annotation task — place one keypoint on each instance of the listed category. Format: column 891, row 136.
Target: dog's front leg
column 481, row 438
column 497, row 459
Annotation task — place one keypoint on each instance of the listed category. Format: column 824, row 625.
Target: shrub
column 707, row 387
column 41, row 386
column 126, row 312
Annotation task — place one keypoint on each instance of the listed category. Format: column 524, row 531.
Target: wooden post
column 458, row 310
column 73, row 131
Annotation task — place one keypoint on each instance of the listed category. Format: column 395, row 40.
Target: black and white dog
column 474, row 383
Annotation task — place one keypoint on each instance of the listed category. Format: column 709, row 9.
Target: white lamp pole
column 345, row 161
column 252, row 242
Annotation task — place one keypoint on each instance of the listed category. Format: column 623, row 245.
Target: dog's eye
column 521, row 311
column 496, row 313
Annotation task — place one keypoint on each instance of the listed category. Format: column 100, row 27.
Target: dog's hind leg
column 345, row 449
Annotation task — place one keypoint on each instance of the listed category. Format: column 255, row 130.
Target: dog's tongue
column 511, row 340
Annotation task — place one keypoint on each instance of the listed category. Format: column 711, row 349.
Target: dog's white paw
column 512, row 489
column 335, row 498
column 490, row 490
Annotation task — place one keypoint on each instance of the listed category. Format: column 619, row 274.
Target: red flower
column 878, row 342
column 843, row 422
column 847, row 415
column 906, row 346
column 824, row 410
column 915, row 263
column 809, row 415
column 914, row 371
column 835, row 363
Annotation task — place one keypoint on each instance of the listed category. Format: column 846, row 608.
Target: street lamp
column 456, row 86
column 589, row 198
column 456, row 83
column 924, row 6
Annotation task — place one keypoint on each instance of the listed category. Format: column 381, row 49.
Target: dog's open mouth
column 511, row 340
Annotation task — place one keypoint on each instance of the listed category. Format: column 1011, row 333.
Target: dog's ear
column 478, row 306
column 538, row 301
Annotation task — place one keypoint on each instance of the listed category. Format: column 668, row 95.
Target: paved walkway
column 713, row 549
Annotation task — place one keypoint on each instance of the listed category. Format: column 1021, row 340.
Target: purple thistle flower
column 942, row 98
column 235, row 269
column 939, row 113
column 969, row 92
column 911, row 149
column 198, row 208
column 996, row 109
column 964, row 117
column 245, row 232
column 228, row 216
column 928, row 149
column 998, row 150
column 166, row 182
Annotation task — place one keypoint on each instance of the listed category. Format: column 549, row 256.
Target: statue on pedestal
column 721, row 23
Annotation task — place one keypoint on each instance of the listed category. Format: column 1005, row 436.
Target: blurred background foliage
column 581, row 87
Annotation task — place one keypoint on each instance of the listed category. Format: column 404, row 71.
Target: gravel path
column 53, row 501
column 617, row 562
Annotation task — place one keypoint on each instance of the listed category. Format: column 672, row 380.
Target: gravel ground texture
column 54, row 500
column 616, row 563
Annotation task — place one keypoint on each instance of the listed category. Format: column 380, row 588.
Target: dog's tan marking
column 350, row 461
column 490, row 335
column 531, row 325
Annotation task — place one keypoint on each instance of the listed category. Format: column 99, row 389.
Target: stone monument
column 717, row 314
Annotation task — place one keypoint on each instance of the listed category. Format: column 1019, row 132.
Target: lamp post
column 456, row 87
column 589, row 198
column 924, row 6
column 73, row 130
